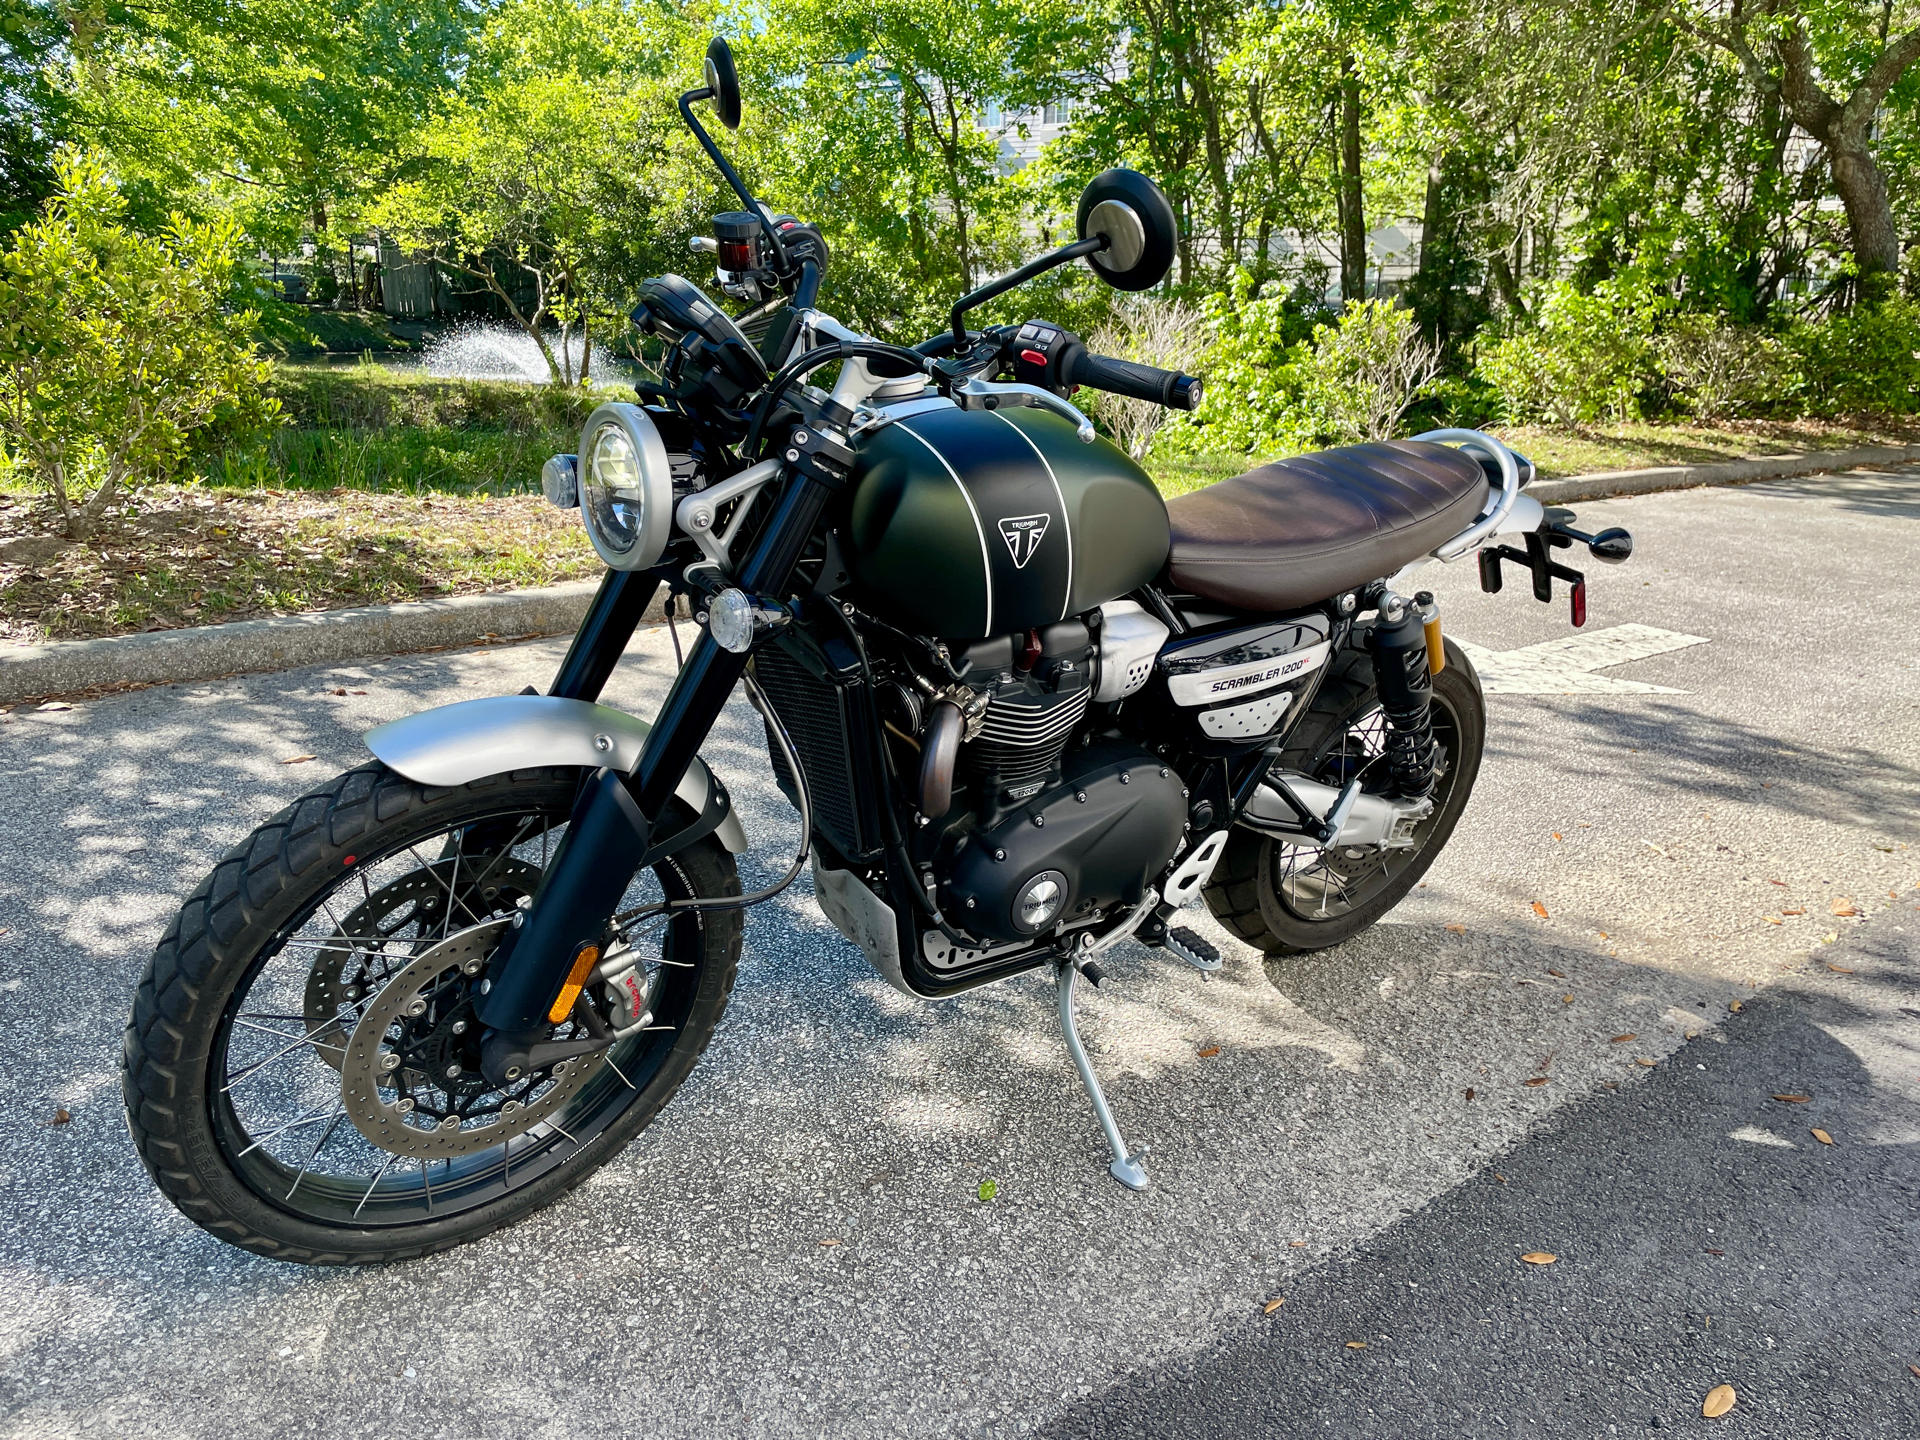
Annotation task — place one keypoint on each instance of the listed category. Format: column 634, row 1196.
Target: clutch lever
column 976, row 394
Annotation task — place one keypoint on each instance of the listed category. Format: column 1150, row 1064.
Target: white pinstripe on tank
column 986, row 561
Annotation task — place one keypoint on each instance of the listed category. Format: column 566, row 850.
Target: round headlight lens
column 626, row 487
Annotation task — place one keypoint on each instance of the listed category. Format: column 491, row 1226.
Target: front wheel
column 301, row 1069
column 1289, row 899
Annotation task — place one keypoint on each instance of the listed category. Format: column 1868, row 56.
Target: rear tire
column 242, row 939
column 1256, row 892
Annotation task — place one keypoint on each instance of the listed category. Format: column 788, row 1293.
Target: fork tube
column 623, row 597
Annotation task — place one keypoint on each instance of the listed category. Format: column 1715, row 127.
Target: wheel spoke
column 318, row 1146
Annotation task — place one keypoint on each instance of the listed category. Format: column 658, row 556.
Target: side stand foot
column 1126, row 1167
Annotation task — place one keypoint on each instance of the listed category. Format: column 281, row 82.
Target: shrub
column 1585, row 356
column 1717, row 370
column 1364, row 371
column 1866, row 360
column 115, row 347
column 1168, row 333
column 1252, row 402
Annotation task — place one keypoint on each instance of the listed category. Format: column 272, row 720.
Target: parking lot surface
column 798, row 1246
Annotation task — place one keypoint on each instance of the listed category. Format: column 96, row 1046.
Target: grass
column 196, row 555
column 386, row 485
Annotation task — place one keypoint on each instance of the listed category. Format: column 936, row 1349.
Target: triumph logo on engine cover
column 1023, row 534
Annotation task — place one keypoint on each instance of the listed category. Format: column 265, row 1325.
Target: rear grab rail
column 1491, row 519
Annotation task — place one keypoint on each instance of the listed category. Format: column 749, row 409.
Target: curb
column 1722, row 472
column 207, row 652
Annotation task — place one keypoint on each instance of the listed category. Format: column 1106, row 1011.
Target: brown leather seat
column 1298, row 530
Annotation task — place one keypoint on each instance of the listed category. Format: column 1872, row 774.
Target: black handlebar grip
column 1138, row 382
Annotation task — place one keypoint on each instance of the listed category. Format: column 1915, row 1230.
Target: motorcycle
column 1025, row 709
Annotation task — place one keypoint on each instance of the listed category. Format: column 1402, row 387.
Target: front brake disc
column 404, row 1110
column 341, row 976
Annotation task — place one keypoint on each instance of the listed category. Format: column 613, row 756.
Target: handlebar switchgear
column 1047, row 355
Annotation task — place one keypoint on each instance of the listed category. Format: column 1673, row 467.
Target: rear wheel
column 301, row 1069
column 1288, row 899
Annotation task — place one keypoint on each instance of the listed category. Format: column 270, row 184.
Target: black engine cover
column 1110, row 828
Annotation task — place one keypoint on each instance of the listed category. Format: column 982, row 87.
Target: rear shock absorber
column 1398, row 644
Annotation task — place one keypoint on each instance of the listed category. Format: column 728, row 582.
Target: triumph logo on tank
column 1023, row 534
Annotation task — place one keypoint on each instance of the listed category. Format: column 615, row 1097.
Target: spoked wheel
column 1287, row 898
column 302, row 1067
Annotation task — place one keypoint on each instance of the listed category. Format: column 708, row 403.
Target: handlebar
column 1138, row 382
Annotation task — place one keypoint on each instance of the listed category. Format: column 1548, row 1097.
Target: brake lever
column 977, row 394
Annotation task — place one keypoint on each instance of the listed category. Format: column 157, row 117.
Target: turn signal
column 583, row 962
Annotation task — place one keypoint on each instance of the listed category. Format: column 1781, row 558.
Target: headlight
column 626, row 486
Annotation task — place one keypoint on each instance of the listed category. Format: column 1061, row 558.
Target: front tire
column 232, row 1062
column 1290, row 899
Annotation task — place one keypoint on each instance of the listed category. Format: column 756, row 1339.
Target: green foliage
column 1252, row 400
column 115, row 347
column 1862, row 362
column 1717, row 370
column 1365, row 370
column 1585, row 356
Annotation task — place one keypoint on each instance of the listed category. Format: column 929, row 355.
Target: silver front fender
column 458, row 743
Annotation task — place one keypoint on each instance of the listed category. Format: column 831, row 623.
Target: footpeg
column 1192, row 949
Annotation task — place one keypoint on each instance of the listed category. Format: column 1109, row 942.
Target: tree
column 33, row 111
column 115, row 347
column 1807, row 53
column 553, row 169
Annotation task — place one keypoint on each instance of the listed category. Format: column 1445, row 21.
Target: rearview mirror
column 1127, row 209
column 724, row 82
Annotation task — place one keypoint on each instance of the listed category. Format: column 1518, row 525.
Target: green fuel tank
column 973, row 523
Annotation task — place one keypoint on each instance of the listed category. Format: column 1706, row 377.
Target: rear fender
column 455, row 744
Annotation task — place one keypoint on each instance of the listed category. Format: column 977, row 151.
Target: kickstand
column 1126, row 1168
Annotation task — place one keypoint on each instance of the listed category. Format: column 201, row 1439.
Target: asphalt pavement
column 798, row 1246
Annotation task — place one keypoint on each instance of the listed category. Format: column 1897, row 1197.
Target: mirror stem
column 1091, row 245
column 754, row 207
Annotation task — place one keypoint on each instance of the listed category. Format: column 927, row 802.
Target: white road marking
column 1565, row 666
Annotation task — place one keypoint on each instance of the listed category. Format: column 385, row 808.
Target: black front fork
column 615, row 815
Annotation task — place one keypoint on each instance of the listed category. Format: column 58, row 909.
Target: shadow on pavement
column 1809, row 1308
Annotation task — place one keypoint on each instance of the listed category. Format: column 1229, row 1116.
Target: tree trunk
column 1863, row 190
column 1353, row 219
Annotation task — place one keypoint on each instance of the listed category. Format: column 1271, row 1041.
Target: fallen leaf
column 1469, row 1092
column 54, row 705
column 1537, row 1080
column 62, row 1116
column 1773, row 919
column 356, row 692
column 1601, row 933
column 1915, row 1369
column 1712, row 1251
column 1719, row 1400
column 1829, row 937
column 1622, row 1039
column 1209, row 1052
column 1641, row 1060
column 1498, row 1176
column 1356, row 1344
column 1457, row 929
column 1539, row 909
column 829, row 1242
column 1566, row 999
column 1822, row 1136
column 1539, row 1257
column 1296, row 1244
column 340, row 692
column 1781, row 883
column 1273, row 1305
column 1843, row 906
column 1838, row 969
column 1734, row 1005
column 296, row 760
column 1558, row 974
column 1796, row 910
column 989, row 1189
column 1794, row 1099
